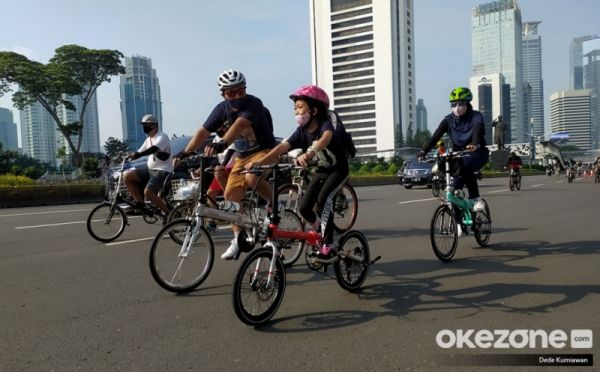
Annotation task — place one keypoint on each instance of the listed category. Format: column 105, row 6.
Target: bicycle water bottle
column 229, row 206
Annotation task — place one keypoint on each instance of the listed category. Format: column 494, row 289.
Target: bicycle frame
column 311, row 237
column 464, row 204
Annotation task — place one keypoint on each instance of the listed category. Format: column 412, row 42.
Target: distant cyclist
column 514, row 162
column 466, row 131
column 160, row 165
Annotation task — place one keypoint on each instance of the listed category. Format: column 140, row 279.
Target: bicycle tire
column 511, row 183
column 288, row 197
column 518, row 183
column 482, row 228
column 290, row 221
column 249, row 294
column 106, row 223
column 349, row 273
column 183, row 210
column 436, row 189
column 444, row 219
column 167, row 246
column 344, row 215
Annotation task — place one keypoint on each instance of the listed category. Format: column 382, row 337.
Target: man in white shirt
column 160, row 165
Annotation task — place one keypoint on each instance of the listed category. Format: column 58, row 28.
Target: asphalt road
column 71, row 303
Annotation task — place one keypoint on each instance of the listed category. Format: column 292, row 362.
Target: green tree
column 421, row 138
column 409, row 142
column 74, row 71
column 114, row 146
column 89, row 168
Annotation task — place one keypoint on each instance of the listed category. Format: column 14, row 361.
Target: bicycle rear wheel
column 174, row 268
column 106, row 223
column 254, row 301
column 290, row 249
column 345, row 209
column 482, row 228
column 288, row 197
column 512, row 183
column 444, row 233
column 351, row 270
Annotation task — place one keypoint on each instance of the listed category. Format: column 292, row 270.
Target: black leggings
column 319, row 190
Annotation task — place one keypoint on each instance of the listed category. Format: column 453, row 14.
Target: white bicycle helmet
column 231, row 78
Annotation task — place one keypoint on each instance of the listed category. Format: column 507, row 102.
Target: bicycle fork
column 190, row 237
column 271, row 274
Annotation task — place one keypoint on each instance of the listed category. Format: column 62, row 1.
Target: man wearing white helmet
column 160, row 165
column 250, row 126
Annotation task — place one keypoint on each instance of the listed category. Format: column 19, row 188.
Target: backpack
column 340, row 131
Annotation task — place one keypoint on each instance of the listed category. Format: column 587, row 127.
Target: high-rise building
column 363, row 56
column 591, row 81
column 491, row 97
column 91, row 130
column 496, row 48
column 8, row 130
column 576, row 61
column 140, row 95
column 532, row 78
column 421, row 116
column 39, row 134
column 570, row 112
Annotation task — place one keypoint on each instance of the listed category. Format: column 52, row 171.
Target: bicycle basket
column 111, row 188
column 185, row 189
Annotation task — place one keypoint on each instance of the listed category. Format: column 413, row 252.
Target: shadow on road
column 317, row 321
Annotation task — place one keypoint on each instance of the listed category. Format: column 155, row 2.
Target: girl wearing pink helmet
column 315, row 136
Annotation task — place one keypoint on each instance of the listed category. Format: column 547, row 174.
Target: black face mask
column 238, row 103
column 147, row 128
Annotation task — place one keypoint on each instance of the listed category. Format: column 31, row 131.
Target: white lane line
column 538, row 185
column 38, row 213
column 48, row 225
column 61, row 224
column 129, row 241
column 416, row 201
column 370, row 188
column 495, row 191
column 560, row 181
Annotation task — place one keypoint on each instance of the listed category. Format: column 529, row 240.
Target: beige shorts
column 237, row 179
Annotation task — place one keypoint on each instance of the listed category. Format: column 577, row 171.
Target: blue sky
column 191, row 42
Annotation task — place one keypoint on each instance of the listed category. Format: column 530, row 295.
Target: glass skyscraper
column 532, row 77
column 576, row 61
column 421, row 116
column 496, row 48
column 140, row 95
column 8, row 130
column 363, row 56
column 591, row 81
column 570, row 112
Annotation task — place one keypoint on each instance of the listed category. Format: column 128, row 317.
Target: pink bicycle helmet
column 312, row 92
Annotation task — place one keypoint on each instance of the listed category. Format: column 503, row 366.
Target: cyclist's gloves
column 218, row 147
column 183, row 154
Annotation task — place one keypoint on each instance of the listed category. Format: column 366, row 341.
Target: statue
column 500, row 127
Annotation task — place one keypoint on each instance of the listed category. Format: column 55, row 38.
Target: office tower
column 532, row 78
column 570, row 112
column 8, row 130
column 496, row 48
column 591, row 81
column 140, row 95
column 91, row 131
column 39, row 134
column 421, row 116
column 491, row 97
column 576, row 61
column 363, row 56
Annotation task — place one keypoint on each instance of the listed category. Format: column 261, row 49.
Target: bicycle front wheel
column 106, row 223
column 181, row 256
column 444, row 233
column 482, row 228
column 255, row 300
column 345, row 209
column 351, row 269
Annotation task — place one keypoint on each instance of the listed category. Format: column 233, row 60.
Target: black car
column 415, row 172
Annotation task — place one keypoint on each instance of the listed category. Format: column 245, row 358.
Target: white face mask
column 459, row 110
column 303, row 119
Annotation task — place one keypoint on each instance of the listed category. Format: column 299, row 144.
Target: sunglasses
column 231, row 93
column 458, row 103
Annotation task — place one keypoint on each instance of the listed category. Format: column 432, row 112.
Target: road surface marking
column 538, row 185
column 416, row 201
column 47, row 225
column 129, row 241
column 495, row 191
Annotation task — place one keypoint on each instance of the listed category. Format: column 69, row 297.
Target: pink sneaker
column 326, row 251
